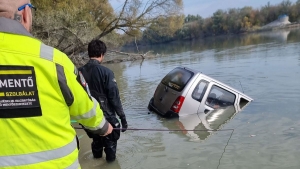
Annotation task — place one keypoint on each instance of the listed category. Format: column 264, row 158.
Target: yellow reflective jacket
column 39, row 94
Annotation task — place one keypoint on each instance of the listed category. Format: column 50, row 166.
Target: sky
column 206, row 8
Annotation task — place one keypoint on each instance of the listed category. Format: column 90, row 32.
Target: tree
column 71, row 24
column 191, row 18
column 163, row 29
column 67, row 24
column 138, row 14
column 219, row 18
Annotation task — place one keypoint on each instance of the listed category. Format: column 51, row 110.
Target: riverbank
column 287, row 26
column 113, row 56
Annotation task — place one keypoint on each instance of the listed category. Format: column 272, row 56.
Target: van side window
column 243, row 102
column 219, row 97
column 200, row 90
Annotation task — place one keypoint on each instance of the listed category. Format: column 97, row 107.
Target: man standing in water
column 38, row 94
column 104, row 88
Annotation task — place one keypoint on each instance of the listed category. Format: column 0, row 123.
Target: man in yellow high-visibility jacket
column 39, row 94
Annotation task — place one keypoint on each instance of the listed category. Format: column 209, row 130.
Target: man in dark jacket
column 103, row 87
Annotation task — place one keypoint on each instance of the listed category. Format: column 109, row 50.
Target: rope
column 144, row 129
column 225, row 148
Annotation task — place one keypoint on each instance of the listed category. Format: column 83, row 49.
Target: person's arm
column 83, row 108
column 113, row 98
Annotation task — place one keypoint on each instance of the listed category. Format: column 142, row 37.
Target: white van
column 185, row 91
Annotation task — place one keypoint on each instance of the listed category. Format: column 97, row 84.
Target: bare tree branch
column 138, row 21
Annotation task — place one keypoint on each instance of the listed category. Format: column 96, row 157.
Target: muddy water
column 266, row 133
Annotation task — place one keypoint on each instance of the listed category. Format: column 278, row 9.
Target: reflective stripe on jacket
column 45, row 138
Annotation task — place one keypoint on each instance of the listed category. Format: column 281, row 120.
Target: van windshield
column 177, row 78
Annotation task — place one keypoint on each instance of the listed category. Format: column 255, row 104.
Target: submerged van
column 184, row 91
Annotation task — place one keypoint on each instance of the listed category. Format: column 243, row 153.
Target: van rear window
column 177, row 78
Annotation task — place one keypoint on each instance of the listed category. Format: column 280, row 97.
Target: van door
column 217, row 97
column 170, row 88
column 194, row 97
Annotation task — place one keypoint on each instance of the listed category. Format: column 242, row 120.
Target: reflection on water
column 202, row 124
column 266, row 133
column 279, row 35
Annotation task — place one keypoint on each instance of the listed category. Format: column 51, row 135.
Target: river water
column 266, row 135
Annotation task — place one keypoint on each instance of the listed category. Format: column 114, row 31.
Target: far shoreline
column 292, row 26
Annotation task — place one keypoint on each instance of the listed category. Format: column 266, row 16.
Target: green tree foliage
column 192, row 18
column 164, row 29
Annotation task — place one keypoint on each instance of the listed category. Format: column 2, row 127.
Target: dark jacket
column 102, row 80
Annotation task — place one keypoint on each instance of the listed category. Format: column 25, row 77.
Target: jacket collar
column 12, row 26
column 94, row 61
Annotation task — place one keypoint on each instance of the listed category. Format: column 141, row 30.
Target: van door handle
column 206, row 111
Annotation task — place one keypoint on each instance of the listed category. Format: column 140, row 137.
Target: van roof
column 217, row 81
